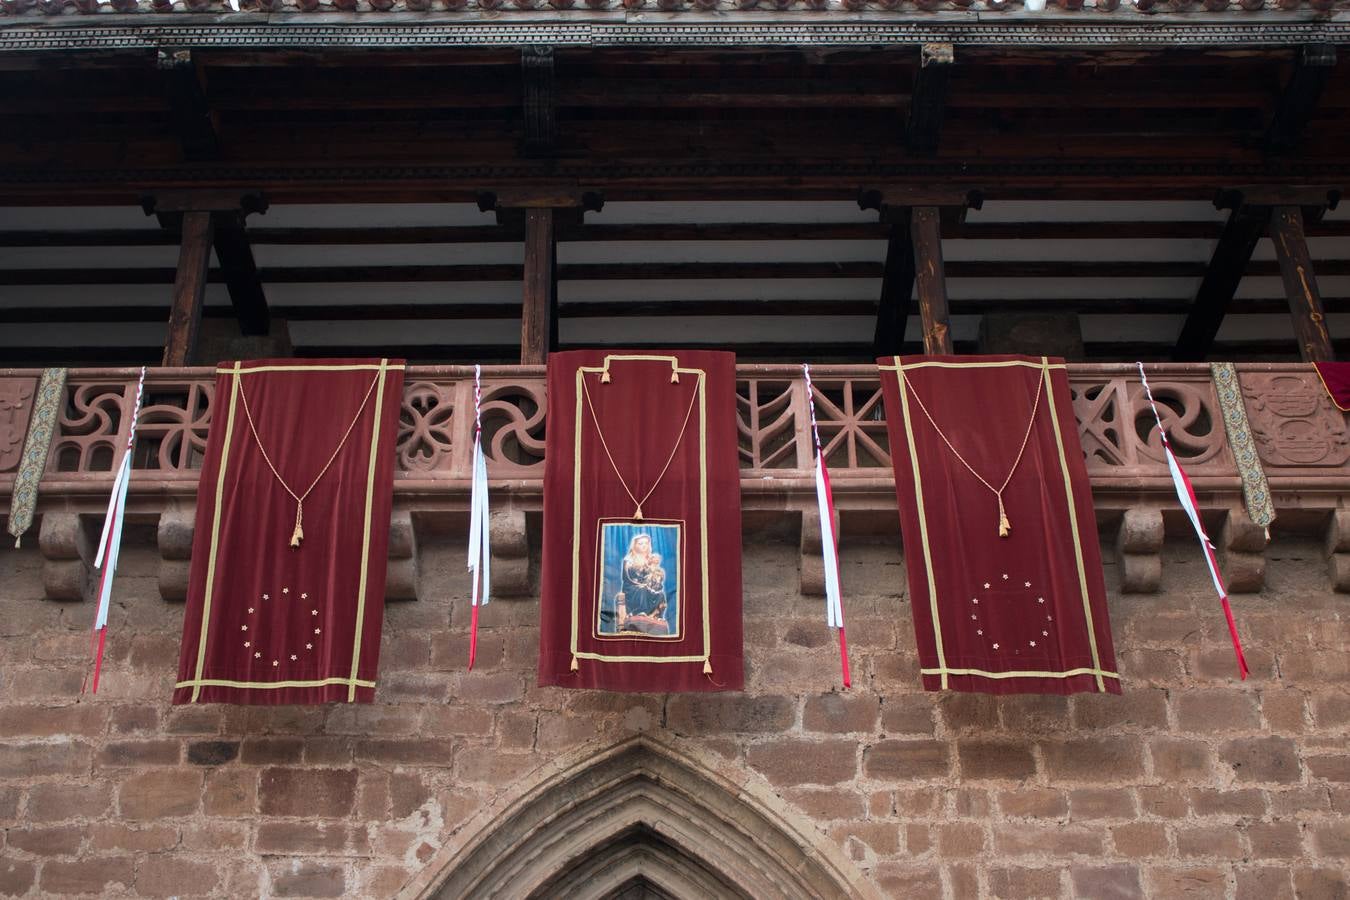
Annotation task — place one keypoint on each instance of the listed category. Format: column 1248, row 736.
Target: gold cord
column 586, row 392
column 298, row 534
column 1004, row 526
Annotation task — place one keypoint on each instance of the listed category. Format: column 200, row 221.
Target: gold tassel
column 674, row 377
column 17, row 541
column 574, row 664
column 1004, row 526
column 604, row 377
column 638, row 514
column 298, row 534
column 707, row 667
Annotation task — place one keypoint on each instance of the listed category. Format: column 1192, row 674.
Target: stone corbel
column 510, row 552
column 403, row 565
column 68, row 547
column 812, row 563
column 1338, row 550
column 1242, row 547
column 1138, row 551
column 174, row 536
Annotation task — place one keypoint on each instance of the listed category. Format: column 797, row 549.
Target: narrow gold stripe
column 923, row 524
column 215, row 532
column 601, row 657
column 898, row 367
column 1068, row 673
column 576, row 514
column 703, row 508
column 1073, row 527
column 198, row 683
column 237, row 369
column 365, row 532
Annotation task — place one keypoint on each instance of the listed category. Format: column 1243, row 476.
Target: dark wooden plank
column 931, row 279
column 539, row 306
column 240, row 272
column 540, row 95
column 926, row 107
column 1232, row 255
column 184, row 87
column 897, row 288
column 1300, row 284
column 1299, row 99
column 189, row 288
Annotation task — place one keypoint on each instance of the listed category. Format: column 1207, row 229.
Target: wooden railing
column 1302, row 441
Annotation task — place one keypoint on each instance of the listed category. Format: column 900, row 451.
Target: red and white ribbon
column 829, row 541
column 1186, row 494
column 110, row 544
column 480, row 541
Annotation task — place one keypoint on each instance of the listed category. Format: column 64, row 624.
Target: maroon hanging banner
column 1007, row 597
column 641, row 583
column 285, row 599
column 1335, row 378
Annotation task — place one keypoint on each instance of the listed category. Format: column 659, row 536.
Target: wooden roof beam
column 184, row 82
column 1232, row 254
column 1300, row 96
column 540, row 102
column 928, row 99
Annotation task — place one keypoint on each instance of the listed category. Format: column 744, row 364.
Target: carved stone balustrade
column 1301, row 438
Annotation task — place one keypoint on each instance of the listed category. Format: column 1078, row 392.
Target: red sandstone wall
column 1190, row 785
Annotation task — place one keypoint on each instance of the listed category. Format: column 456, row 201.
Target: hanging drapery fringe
column 110, row 544
column 480, row 549
column 1186, row 494
column 829, row 543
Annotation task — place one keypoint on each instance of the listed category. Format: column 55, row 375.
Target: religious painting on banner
column 641, row 575
column 286, row 593
column 1001, row 547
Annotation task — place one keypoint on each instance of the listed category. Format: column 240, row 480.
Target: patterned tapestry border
column 46, row 409
column 1254, row 486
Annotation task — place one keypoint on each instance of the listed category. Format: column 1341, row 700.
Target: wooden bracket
column 1299, row 98
column 1245, row 227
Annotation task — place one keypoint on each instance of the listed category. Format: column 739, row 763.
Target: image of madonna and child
column 641, row 603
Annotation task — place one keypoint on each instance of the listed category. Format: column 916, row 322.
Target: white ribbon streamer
column 480, row 550
column 109, row 545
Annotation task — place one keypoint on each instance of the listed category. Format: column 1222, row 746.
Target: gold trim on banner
column 1045, row 366
column 199, row 683
column 1073, row 527
column 1331, row 395
column 215, row 533
column 1068, row 673
column 365, row 531
column 676, row 370
column 238, row 369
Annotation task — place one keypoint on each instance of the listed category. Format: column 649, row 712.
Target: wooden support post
column 240, row 272
column 1246, row 226
column 1300, row 284
column 189, row 288
column 1300, row 96
column 897, row 289
column 926, row 229
column 539, row 308
column 928, row 99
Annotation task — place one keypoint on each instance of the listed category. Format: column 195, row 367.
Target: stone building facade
column 456, row 783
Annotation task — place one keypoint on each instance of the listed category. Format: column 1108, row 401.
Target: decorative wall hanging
column 1001, row 547
column 51, row 391
column 286, row 593
column 1255, row 487
column 829, row 541
column 641, row 578
column 1186, row 494
column 480, row 519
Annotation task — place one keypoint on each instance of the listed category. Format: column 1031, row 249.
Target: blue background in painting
column 615, row 537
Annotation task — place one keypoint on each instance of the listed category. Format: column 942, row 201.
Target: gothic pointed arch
column 640, row 820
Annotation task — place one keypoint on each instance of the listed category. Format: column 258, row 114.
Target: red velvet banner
column 268, row 622
column 1336, row 379
column 1021, row 613
column 649, row 600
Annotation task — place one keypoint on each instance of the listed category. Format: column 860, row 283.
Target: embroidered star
column 248, row 643
column 973, row 616
column 1005, row 576
column 285, row 590
column 1033, row 643
column 996, row 646
column 1040, row 599
column 293, row 655
column 986, row 584
column 250, row 609
column 979, row 631
column 1026, row 584
column 975, row 600
column 309, row 646
column 1049, row 618
column 304, row 596
column 243, row 628
column 317, row 630
column 274, row 662
column 265, row 597
column 257, row 656
column 1045, row 634
column 313, row 612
